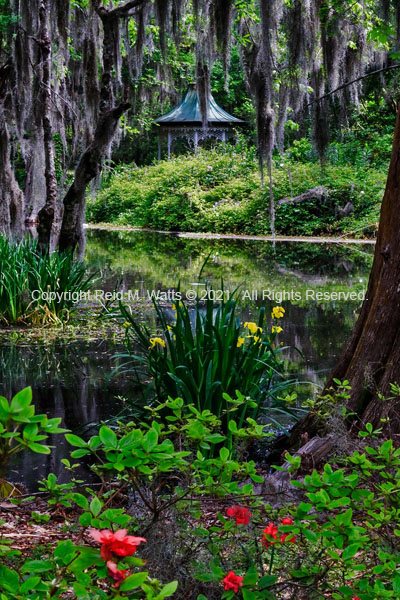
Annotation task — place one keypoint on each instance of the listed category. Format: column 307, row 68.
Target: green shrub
column 21, row 429
column 220, row 192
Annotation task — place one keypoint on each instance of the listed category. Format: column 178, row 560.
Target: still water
column 72, row 380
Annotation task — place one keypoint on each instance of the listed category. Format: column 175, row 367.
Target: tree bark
column 11, row 197
column 371, row 360
column 46, row 216
column 90, row 163
column 88, row 168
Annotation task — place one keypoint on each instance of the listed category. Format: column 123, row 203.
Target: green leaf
column 75, row 440
column 310, row 535
column 251, row 576
column 86, row 519
column 39, row 448
column 9, row 579
column 168, row 589
column 133, row 581
column 108, row 437
column 224, row 454
column 21, row 400
column 37, row 566
column 81, row 501
column 267, row 581
column 350, row 551
column 151, row 440
column 95, row 506
column 29, row 584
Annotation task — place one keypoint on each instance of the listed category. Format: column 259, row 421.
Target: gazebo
column 185, row 120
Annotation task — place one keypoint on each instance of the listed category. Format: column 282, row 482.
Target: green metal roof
column 188, row 111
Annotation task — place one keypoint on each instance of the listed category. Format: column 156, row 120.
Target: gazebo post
column 169, row 144
column 159, row 147
column 195, row 140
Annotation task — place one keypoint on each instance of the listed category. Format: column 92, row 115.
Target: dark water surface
column 71, row 379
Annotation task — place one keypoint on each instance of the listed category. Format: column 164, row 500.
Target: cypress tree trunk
column 47, row 214
column 371, row 360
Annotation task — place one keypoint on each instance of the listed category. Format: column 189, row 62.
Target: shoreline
column 231, row 236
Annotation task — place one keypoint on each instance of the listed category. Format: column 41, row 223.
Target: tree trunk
column 88, row 168
column 11, row 197
column 371, row 360
column 46, row 216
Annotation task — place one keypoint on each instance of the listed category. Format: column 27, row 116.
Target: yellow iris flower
column 276, row 329
column 277, row 312
column 252, row 327
column 240, row 342
column 157, row 340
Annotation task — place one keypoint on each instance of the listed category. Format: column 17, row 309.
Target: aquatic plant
column 205, row 353
column 38, row 288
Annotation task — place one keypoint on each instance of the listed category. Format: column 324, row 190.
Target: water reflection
column 70, row 379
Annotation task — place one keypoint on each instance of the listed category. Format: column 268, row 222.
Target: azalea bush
column 22, row 430
column 180, row 444
column 108, row 572
column 205, row 352
column 341, row 542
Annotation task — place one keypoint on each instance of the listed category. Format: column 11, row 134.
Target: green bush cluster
column 220, row 192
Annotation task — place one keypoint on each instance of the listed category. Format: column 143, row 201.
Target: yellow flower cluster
column 276, row 329
column 240, row 342
column 277, row 312
column 156, row 340
column 252, row 327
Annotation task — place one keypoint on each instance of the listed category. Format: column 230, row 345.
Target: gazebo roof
column 188, row 112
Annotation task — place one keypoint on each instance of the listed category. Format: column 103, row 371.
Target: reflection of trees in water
column 69, row 381
column 163, row 260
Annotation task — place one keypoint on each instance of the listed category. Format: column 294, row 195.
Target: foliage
column 145, row 455
column 38, row 288
column 220, row 192
column 21, row 429
column 341, row 543
column 205, row 353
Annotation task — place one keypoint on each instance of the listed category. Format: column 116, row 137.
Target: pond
column 320, row 286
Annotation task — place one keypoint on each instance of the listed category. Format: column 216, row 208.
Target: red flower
column 287, row 521
column 118, row 574
column 241, row 514
column 270, row 530
column 233, row 582
column 356, row 598
column 115, row 543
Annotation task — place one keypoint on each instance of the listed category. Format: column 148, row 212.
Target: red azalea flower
column 241, row 514
column 118, row 574
column 233, row 582
column 287, row 521
column 356, row 598
column 270, row 530
column 115, row 543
